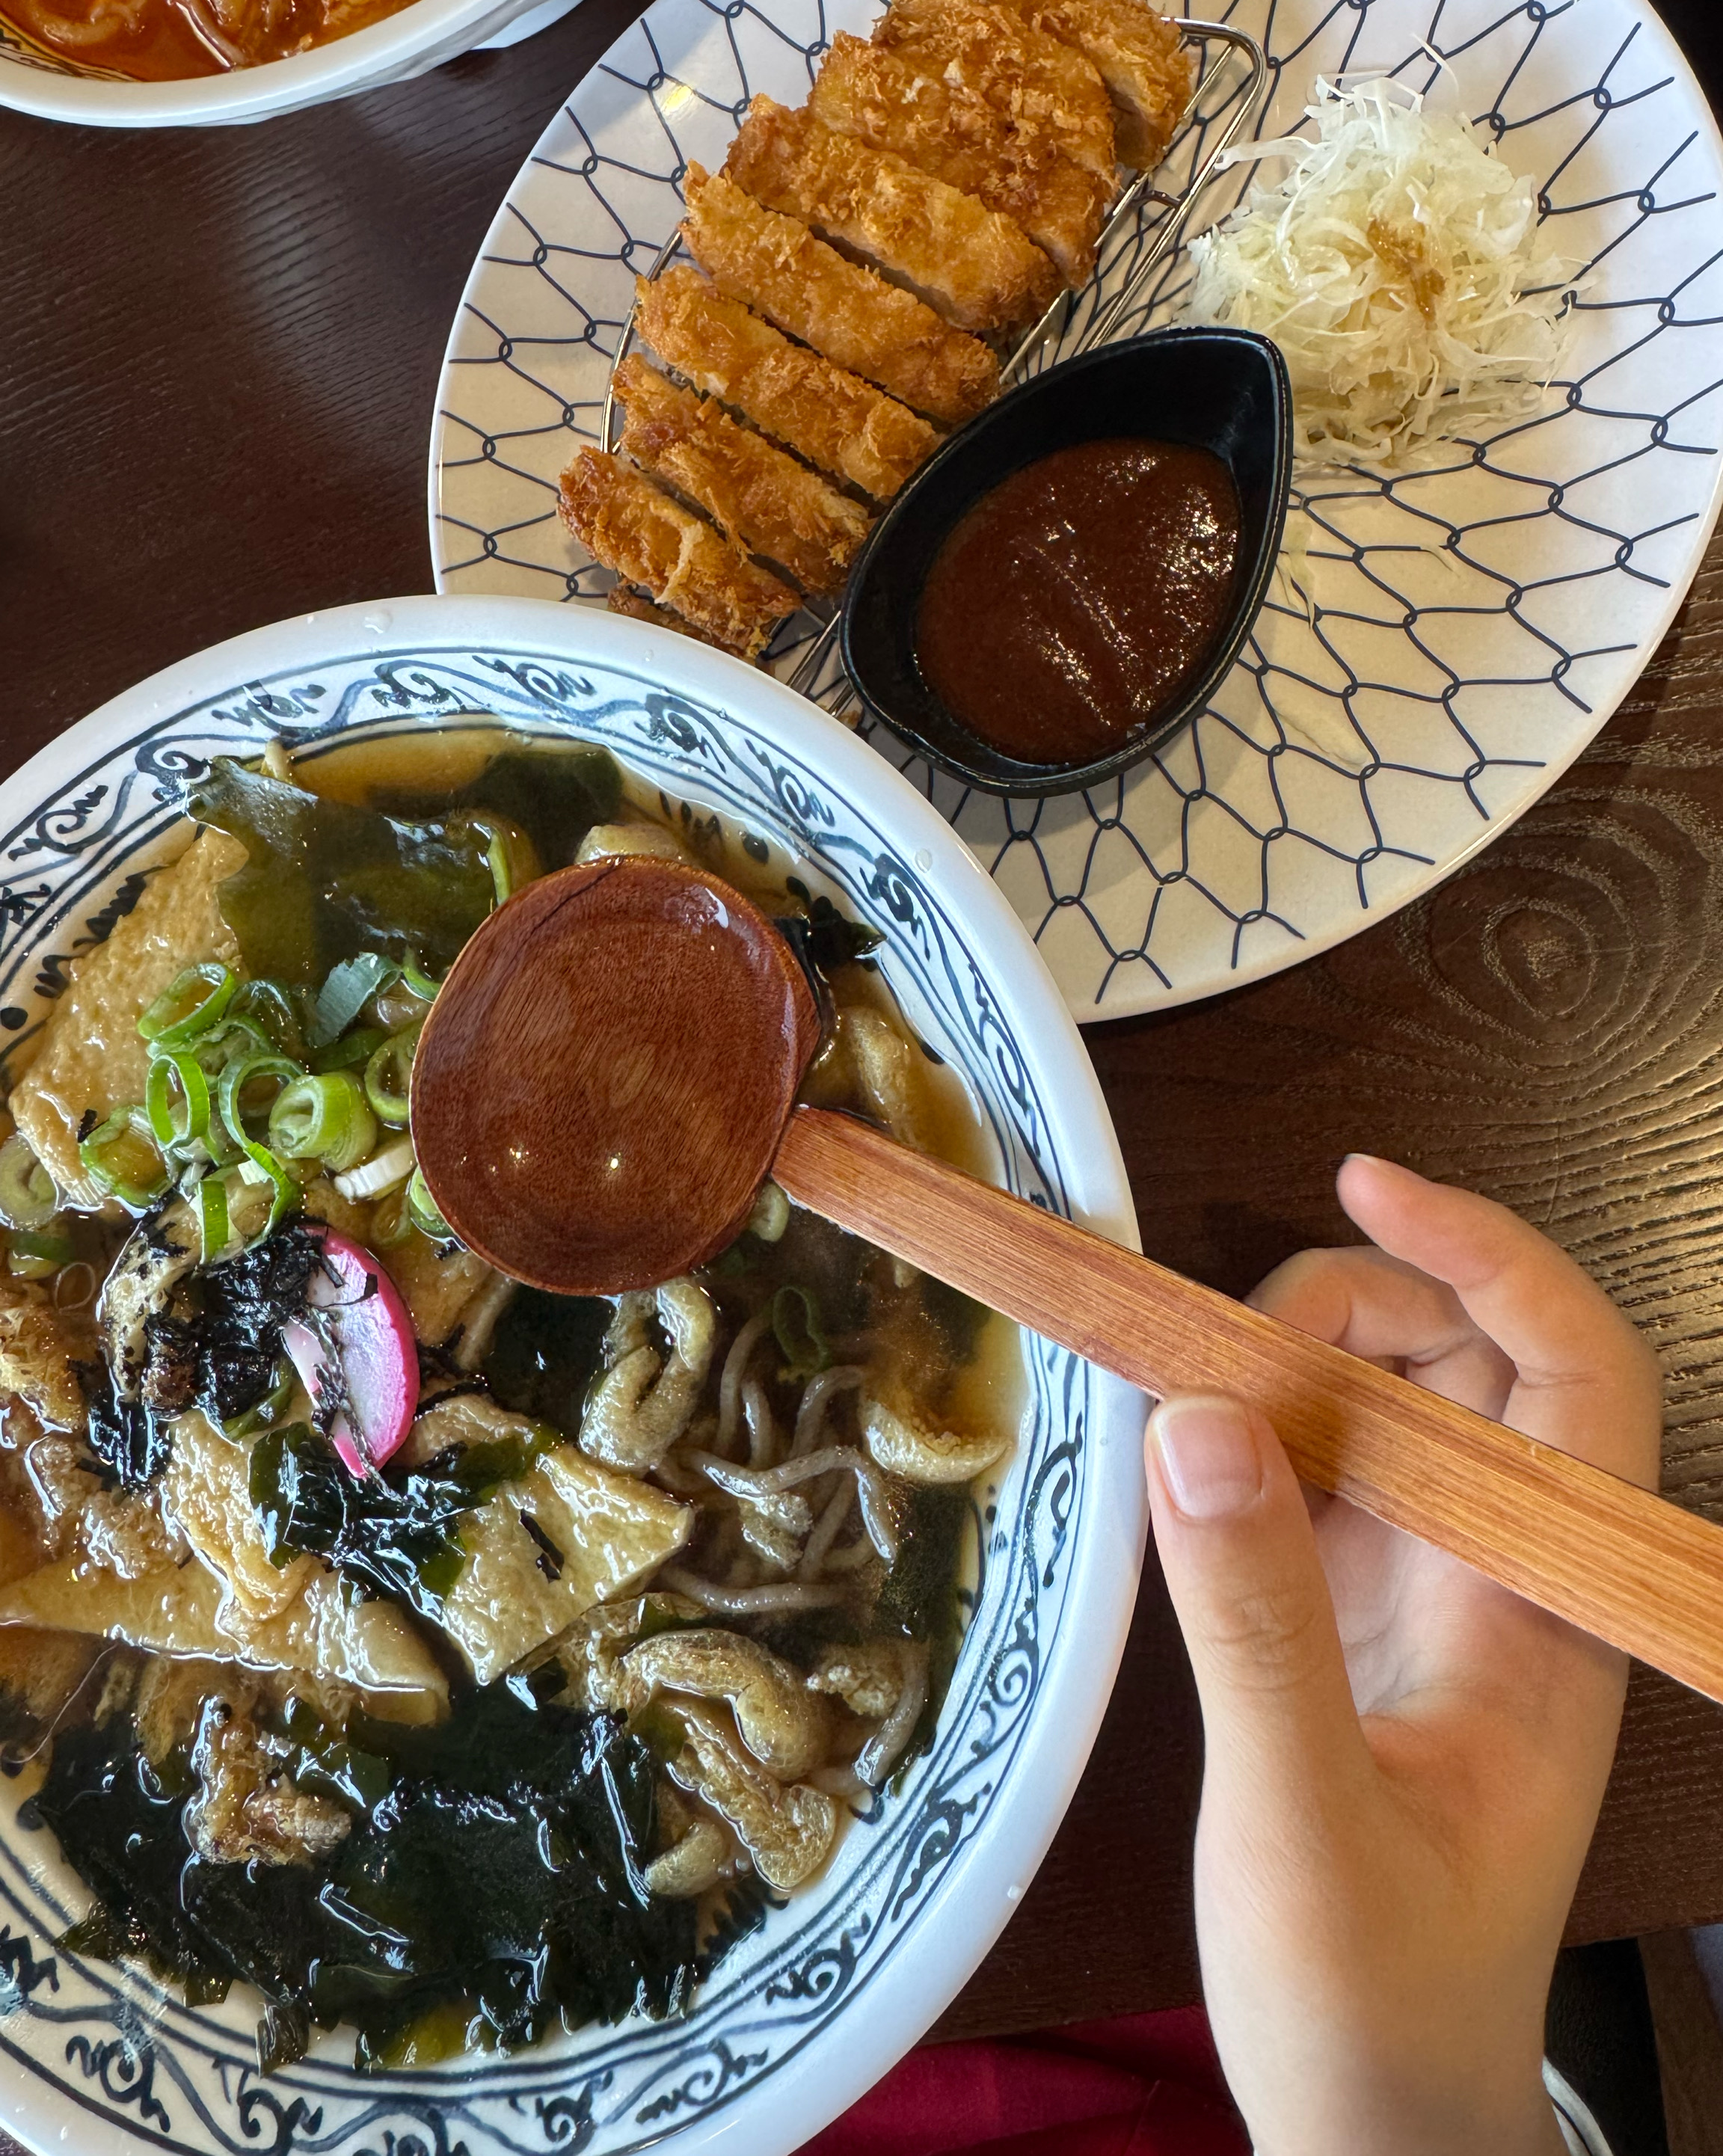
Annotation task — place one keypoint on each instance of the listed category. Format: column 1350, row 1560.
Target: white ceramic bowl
column 421, row 37
column 804, row 2016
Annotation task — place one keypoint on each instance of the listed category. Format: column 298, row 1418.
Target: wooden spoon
column 609, row 1074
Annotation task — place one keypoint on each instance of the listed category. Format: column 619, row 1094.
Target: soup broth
column 171, row 40
column 614, row 1606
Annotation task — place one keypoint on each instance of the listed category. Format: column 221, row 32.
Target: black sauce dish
column 1221, row 390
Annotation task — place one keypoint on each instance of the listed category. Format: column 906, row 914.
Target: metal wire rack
column 1125, row 227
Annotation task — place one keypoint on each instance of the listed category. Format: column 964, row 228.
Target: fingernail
column 1207, row 1453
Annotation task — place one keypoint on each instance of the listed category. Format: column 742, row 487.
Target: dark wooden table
column 219, row 349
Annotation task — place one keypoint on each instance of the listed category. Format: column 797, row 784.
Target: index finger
column 1585, row 1381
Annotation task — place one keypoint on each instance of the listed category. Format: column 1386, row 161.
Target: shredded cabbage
column 1400, row 268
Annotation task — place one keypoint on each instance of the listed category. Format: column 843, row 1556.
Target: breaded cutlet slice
column 1026, row 75
column 625, row 599
column 833, row 418
column 896, row 100
column 633, row 527
column 775, row 265
column 756, row 493
column 1148, row 71
column 978, row 268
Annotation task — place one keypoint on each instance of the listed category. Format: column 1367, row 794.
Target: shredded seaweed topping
column 543, row 1813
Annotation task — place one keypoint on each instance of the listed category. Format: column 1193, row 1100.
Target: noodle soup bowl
column 801, row 2016
column 421, row 35
column 1221, row 390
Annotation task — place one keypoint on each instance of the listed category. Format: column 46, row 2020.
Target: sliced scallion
column 422, row 985
column 388, row 1077
column 28, row 1197
column 190, row 1004
column 801, row 1333
column 352, row 1048
column 247, row 1073
column 349, row 988
column 382, row 1171
column 212, row 1229
column 120, row 1158
column 263, row 1165
column 267, row 1005
column 323, row 1118
column 182, row 1121
column 423, row 1209
column 771, row 1215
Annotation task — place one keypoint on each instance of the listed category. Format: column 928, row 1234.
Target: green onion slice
column 166, row 1125
column 244, row 1072
column 189, row 1005
column 324, row 1119
column 796, row 1321
column 270, row 1009
column 120, row 1158
column 422, row 985
column 213, row 1228
column 353, row 1048
column 349, row 988
column 388, row 1077
column 423, row 1209
column 286, row 1189
column 28, row 1197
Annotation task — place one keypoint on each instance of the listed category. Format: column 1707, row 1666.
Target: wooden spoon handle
column 1622, row 1563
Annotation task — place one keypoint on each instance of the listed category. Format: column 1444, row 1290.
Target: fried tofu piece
column 90, row 1059
column 775, row 265
column 632, row 526
column 898, row 100
column 1027, row 75
column 833, row 418
column 1138, row 56
column 759, row 495
column 971, row 265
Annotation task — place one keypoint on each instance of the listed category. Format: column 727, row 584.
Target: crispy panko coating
column 1138, row 54
column 774, row 264
column 625, row 599
column 971, row 265
column 630, row 525
column 1028, row 75
column 761, row 497
column 898, row 100
column 830, row 416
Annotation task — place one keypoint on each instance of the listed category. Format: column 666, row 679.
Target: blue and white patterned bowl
column 803, row 2016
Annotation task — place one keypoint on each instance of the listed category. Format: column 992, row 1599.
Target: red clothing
column 1145, row 2084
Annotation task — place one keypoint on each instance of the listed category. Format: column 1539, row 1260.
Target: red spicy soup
column 169, row 40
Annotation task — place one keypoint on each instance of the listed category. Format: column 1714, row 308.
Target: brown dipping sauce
column 1068, row 607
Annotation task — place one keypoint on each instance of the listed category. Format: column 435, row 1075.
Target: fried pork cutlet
column 1146, row 69
column 625, row 599
column 854, row 317
column 893, row 100
column 1026, row 75
column 760, row 495
column 971, row 265
column 627, row 523
column 834, row 419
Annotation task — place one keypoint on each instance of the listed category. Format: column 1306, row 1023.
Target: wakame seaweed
column 395, row 1534
column 545, row 1354
column 543, row 1813
column 324, row 880
column 555, row 793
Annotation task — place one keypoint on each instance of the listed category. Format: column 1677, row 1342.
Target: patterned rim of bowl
column 422, row 35
column 943, row 1859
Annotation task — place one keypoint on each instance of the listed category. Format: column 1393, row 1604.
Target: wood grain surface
column 219, row 349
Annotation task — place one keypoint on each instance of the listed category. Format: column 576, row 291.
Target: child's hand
column 1404, row 1761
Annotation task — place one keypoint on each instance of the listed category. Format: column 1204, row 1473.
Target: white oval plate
column 1469, row 629
column 803, row 2016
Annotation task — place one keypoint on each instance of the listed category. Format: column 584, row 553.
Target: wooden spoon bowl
column 604, row 1077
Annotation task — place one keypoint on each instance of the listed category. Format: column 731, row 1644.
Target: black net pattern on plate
column 1436, row 644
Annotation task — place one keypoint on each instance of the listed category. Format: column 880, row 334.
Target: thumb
column 1239, row 1553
